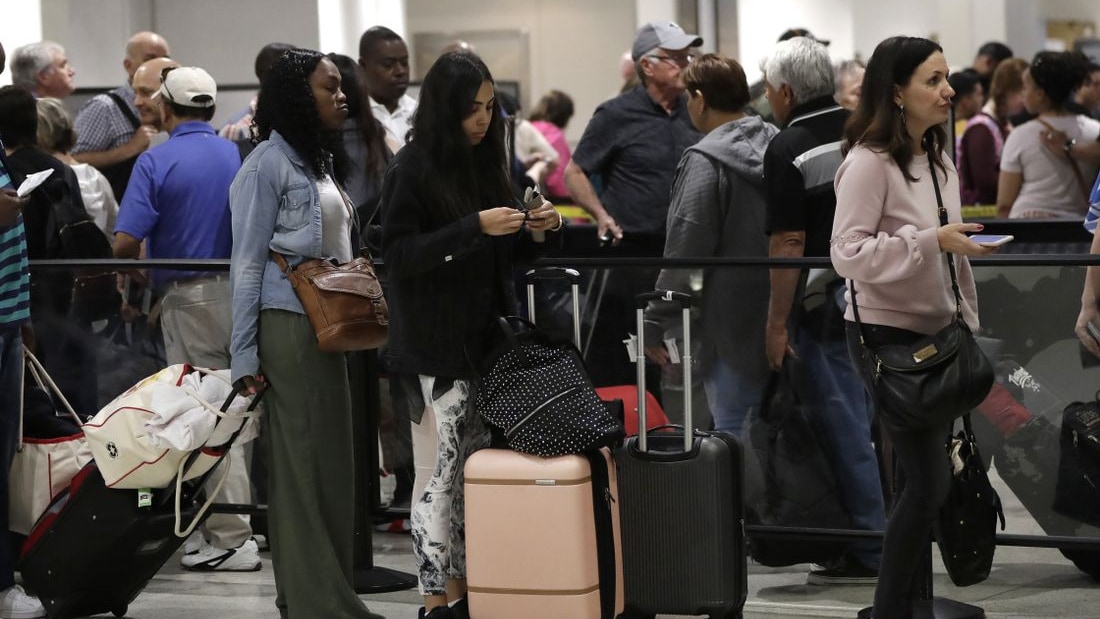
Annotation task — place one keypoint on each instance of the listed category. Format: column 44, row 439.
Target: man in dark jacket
column 799, row 168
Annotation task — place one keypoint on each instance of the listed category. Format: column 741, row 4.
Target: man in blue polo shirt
column 177, row 202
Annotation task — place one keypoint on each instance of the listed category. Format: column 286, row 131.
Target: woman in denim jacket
column 287, row 199
column 448, row 227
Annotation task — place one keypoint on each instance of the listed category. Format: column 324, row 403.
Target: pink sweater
column 884, row 238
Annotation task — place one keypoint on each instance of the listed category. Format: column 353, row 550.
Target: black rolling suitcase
column 682, row 509
column 95, row 548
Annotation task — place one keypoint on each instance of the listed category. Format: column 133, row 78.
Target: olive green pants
column 311, row 496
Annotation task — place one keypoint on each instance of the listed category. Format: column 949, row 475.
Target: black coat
column 445, row 282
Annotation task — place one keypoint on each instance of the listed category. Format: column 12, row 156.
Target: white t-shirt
column 99, row 199
column 1050, row 188
column 335, row 222
column 396, row 123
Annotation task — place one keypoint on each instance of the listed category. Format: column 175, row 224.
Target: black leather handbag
column 537, row 392
column 967, row 527
column 934, row 380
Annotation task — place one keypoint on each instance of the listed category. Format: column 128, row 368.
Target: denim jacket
column 275, row 205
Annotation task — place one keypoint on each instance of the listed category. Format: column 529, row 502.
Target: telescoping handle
column 556, row 273
column 685, row 302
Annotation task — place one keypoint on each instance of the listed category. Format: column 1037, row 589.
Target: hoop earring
column 901, row 111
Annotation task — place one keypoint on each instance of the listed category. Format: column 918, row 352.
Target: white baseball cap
column 189, row 87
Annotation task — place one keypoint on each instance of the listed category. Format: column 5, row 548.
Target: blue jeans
column 11, row 367
column 838, row 404
column 732, row 397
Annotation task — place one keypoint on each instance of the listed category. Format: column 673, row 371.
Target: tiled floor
column 1027, row 583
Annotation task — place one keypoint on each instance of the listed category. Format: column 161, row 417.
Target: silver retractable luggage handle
column 551, row 273
column 685, row 302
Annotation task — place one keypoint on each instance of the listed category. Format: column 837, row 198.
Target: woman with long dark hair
column 887, row 239
column 287, row 198
column 449, row 219
column 364, row 140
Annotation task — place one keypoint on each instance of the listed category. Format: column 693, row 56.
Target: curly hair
column 877, row 121
column 463, row 175
column 286, row 104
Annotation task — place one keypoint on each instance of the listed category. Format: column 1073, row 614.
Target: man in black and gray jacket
column 799, row 168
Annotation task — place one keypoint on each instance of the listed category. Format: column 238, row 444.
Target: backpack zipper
column 554, row 398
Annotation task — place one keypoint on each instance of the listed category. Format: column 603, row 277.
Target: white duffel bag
column 142, row 439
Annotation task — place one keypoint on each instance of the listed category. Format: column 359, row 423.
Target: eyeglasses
column 680, row 61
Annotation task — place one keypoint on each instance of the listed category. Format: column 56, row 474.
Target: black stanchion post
column 363, row 370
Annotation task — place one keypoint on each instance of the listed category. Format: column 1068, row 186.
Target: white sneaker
column 16, row 604
column 194, row 543
column 244, row 558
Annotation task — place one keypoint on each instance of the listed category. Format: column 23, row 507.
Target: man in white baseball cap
column 178, row 202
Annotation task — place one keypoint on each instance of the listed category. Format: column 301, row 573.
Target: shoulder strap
column 1072, row 164
column 125, row 109
column 950, row 257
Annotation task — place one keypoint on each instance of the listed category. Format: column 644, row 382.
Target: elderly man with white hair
column 43, row 69
column 799, row 167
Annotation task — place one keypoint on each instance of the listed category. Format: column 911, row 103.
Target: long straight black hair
column 464, row 178
column 877, row 121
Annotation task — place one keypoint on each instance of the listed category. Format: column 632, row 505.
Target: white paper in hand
column 32, row 182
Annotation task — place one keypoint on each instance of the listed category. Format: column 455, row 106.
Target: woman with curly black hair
column 449, row 220
column 1036, row 182
column 287, row 198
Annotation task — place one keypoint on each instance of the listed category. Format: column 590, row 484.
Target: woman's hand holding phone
column 953, row 238
column 501, row 220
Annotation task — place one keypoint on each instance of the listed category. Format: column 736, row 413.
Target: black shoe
column 461, row 609
column 848, row 571
column 439, row 612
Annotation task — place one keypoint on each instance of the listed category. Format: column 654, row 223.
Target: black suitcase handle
column 685, row 300
column 553, row 273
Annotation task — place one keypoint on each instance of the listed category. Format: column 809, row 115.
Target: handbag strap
column 942, row 211
column 1081, row 184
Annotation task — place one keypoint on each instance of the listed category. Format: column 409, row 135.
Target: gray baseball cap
column 667, row 35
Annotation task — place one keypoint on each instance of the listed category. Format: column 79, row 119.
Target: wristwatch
column 1068, row 146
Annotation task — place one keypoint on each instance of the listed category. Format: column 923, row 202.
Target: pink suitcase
column 542, row 536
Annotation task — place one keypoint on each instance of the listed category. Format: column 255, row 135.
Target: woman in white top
column 1035, row 182
column 57, row 137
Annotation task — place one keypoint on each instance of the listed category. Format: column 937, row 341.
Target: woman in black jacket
column 449, row 220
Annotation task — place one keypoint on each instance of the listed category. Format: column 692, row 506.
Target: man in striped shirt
column 15, row 313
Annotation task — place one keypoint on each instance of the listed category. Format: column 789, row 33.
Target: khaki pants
column 196, row 319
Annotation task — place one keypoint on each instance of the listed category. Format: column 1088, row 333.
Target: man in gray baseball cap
column 665, row 35
column 634, row 142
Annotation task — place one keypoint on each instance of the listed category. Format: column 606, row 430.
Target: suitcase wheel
column 119, row 611
column 632, row 613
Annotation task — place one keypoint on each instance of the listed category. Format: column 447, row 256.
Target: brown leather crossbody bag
column 344, row 302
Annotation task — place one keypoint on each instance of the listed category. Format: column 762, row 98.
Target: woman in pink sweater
column 887, row 238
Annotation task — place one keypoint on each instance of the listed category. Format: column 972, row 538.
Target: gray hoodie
column 717, row 209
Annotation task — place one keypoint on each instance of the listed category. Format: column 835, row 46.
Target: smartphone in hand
column 992, row 240
column 1094, row 331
